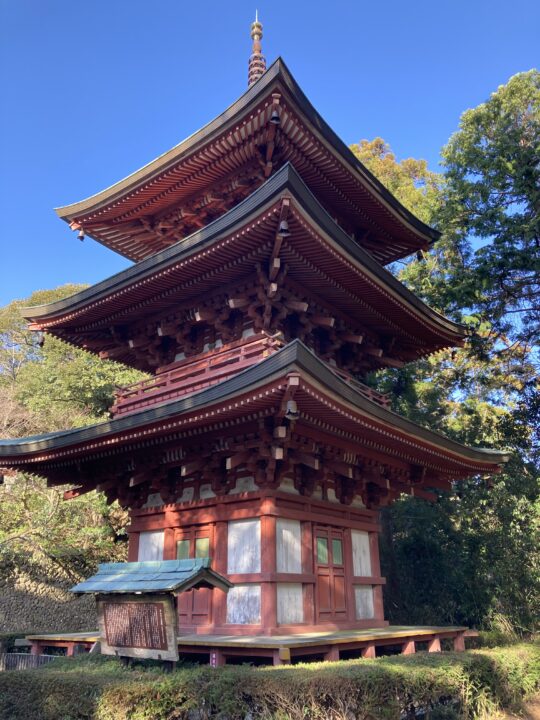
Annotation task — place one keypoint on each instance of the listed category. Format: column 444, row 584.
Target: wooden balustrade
column 203, row 370
column 370, row 393
column 195, row 373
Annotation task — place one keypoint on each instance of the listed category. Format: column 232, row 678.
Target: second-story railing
column 195, row 373
column 203, row 370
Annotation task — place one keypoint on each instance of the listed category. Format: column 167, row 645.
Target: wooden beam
column 203, row 314
column 305, row 459
column 190, row 467
column 236, row 303
column 235, row 460
column 296, row 305
column 323, row 320
column 349, row 337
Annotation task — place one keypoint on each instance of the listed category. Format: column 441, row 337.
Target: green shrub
column 446, row 686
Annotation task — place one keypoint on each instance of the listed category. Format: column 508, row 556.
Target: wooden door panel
column 331, row 593
column 324, row 594
column 340, row 598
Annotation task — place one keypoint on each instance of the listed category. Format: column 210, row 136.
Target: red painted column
column 408, row 648
column 218, row 553
column 349, row 573
column 268, row 565
column 332, row 655
column 169, row 545
column 369, row 651
column 434, row 645
column 308, row 568
column 133, row 546
column 378, row 605
column 459, row 642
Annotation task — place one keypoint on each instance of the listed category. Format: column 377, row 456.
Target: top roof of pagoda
column 270, row 124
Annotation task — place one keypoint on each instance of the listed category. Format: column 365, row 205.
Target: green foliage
column 47, row 386
column 470, row 685
column 409, row 180
column 456, row 561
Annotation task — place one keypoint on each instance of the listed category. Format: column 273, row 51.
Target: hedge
column 473, row 684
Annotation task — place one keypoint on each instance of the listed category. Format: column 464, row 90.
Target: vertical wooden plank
column 307, row 568
column 169, row 545
column 133, row 546
column 375, row 560
column 459, row 642
column 434, row 645
column 218, row 551
column 349, row 571
column 268, row 565
column 369, row 651
column 378, row 602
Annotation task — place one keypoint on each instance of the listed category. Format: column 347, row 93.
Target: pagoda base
column 284, row 649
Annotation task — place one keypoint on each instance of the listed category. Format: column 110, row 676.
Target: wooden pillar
column 217, row 659
column 70, row 649
column 408, row 648
column 219, row 563
column 307, row 568
column 434, row 645
column 459, row 642
column 133, row 546
column 349, row 573
column 169, row 544
column 378, row 602
column 268, row 565
column 332, row 655
column 36, row 648
column 368, row 651
column 281, row 656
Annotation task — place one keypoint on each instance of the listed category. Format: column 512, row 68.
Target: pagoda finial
column 257, row 61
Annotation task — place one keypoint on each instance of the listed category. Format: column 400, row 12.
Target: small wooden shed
column 136, row 601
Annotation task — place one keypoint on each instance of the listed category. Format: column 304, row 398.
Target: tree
column 492, row 205
column 455, row 561
column 47, row 385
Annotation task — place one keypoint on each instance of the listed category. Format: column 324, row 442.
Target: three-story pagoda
column 257, row 299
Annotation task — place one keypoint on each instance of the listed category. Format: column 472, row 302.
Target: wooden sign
column 138, row 626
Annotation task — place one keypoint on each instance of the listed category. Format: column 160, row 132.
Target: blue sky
column 91, row 91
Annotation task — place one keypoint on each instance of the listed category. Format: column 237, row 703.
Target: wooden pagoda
column 258, row 300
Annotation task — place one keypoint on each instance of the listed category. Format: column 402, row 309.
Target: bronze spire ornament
column 257, row 61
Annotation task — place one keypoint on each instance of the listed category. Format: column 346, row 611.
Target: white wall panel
column 290, row 603
column 361, row 553
column 244, row 546
column 244, row 605
column 151, row 545
column 289, row 546
column 363, row 596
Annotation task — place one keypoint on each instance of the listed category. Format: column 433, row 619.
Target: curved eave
column 294, row 357
column 277, row 72
column 286, row 180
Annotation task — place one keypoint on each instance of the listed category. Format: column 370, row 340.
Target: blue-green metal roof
column 152, row 577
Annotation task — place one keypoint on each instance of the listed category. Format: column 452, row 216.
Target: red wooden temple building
column 257, row 301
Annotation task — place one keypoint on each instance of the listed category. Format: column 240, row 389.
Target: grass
column 444, row 686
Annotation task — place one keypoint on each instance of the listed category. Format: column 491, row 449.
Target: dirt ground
column 531, row 712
